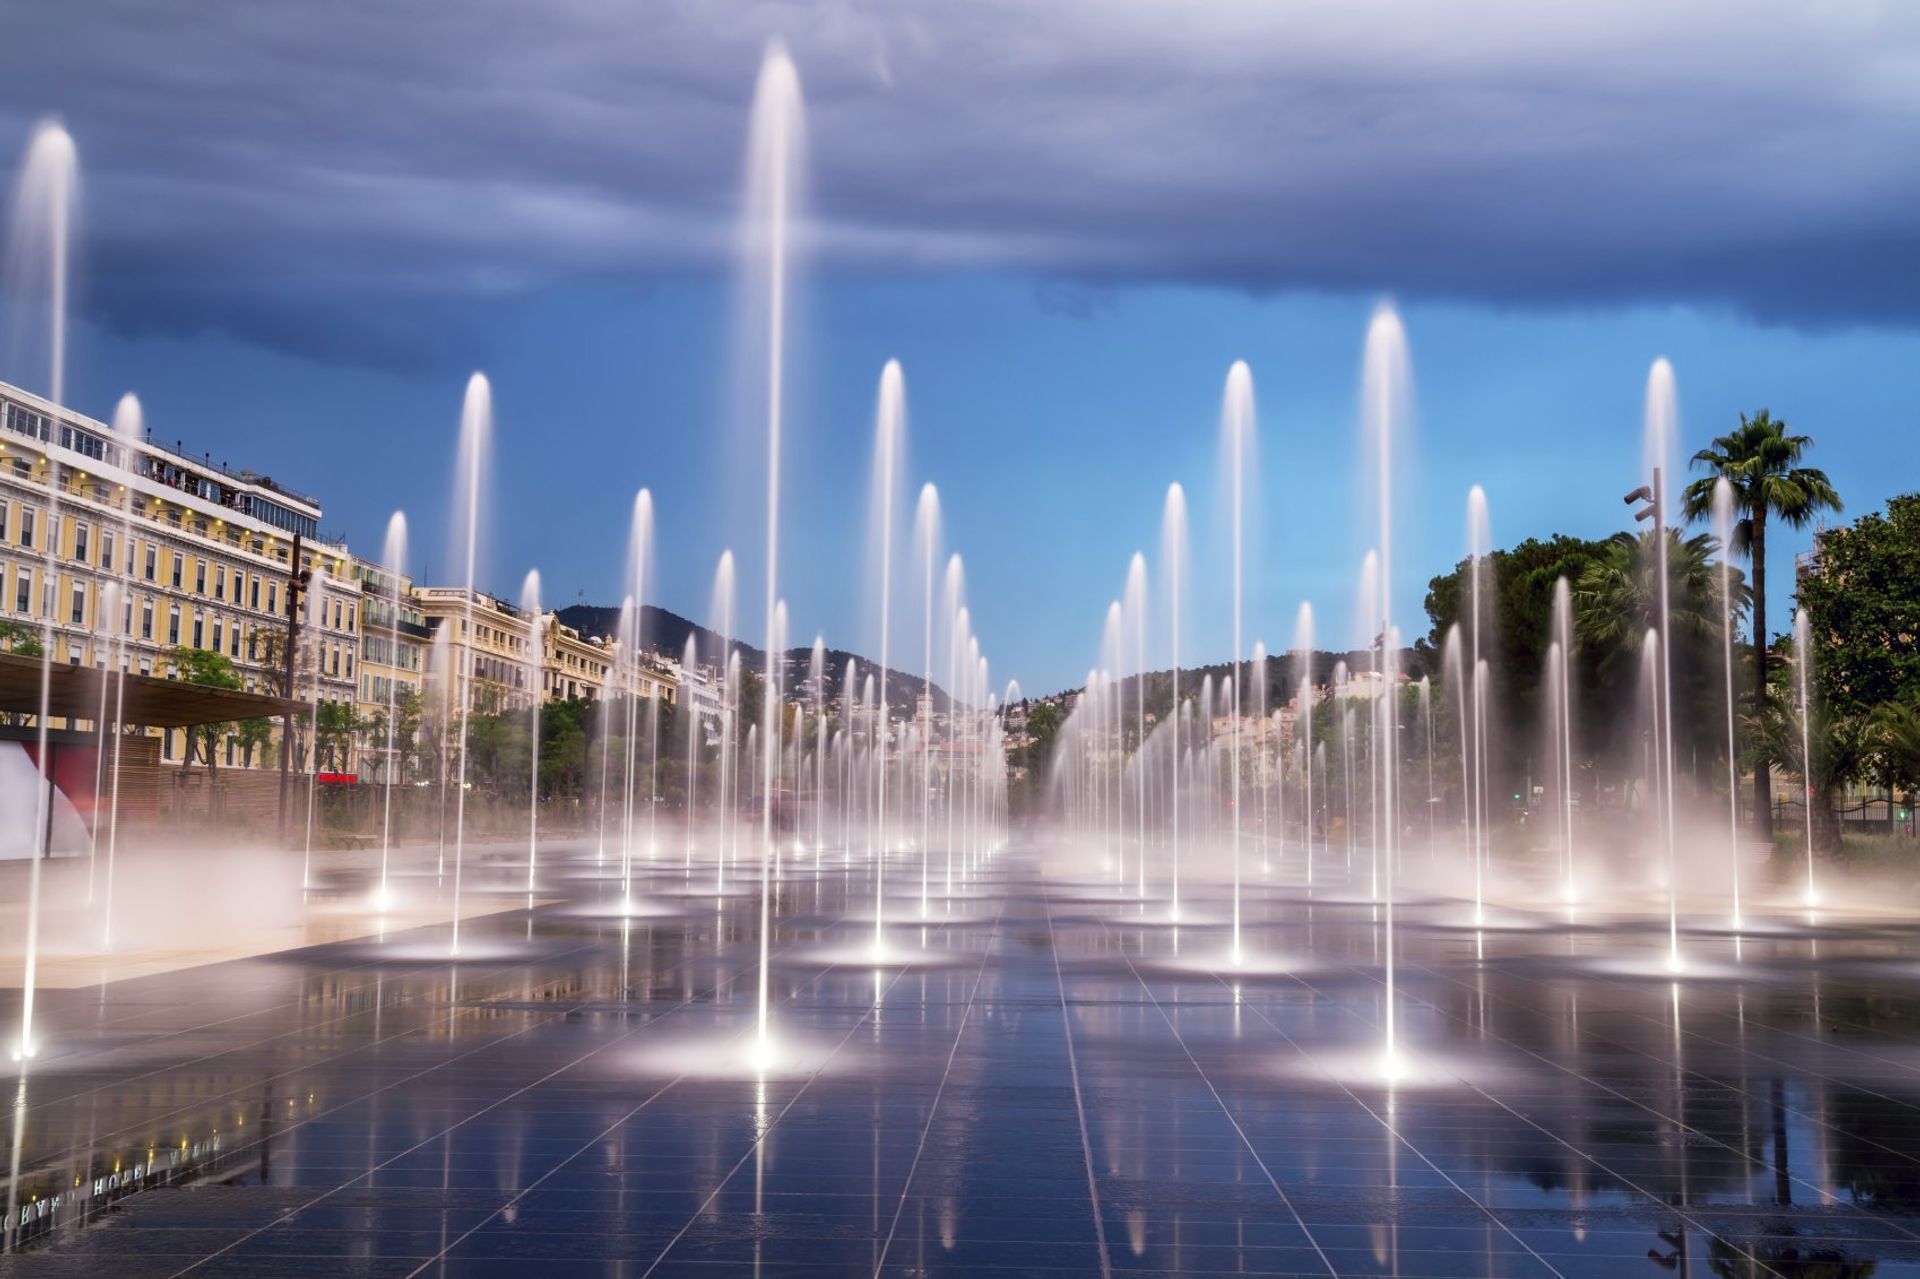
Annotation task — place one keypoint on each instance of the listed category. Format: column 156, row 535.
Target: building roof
column 148, row 700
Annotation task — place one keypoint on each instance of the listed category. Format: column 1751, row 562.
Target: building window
column 273, row 597
column 3, row 519
column 217, row 635
column 173, row 625
column 153, row 561
column 179, row 569
column 106, row 550
column 26, row 527
column 78, row 613
column 233, row 640
column 255, row 601
column 80, row 533
column 199, row 577
column 199, row 631
column 146, row 619
column 220, row 581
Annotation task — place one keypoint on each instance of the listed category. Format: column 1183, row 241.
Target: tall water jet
column 1385, row 402
column 1474, row 777
column 953, row 600
column 774, row 168
column 1660, row 419
column 393, row 561
column 1366, row 608
column 128, row 428
column 817, row 678
column 530, row 608
column 1135, row 603
column 44, row 201
column 1257, row 677
column 1723, row 524
column 1426, row 722
column 1562, row 651
column 1237, row 424
column 316, row 618
column 926, row 535
column 1803, row 661
column 1303, row 696
column 1173, row 555
column 890, row 416
column 639, row 566
column 720, row 609
column 476, row 427
column 690, row 663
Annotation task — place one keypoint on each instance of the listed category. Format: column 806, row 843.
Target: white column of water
column 629, row 661
column 639, row 565
column 1136, row 603
column 690, row 711
column 394, row 562
column 1304, row 698
column 603, row 723
column 1563, row 630
column 1659, row 425
column 1257, row 676
column 476, row 425
column 1173, row 549
column 530, row 605
column 316, row 618
column 128, row 429
column 1723, row 532
column 1237, row 418
column 954, row 603
column 775, row 159
column 42, row 217
column 926, row 523
column 1386, row 382
column 1479, row 546
column 1802, row 660
column 1367, row 609
column 889, row 422
column 1426, row 720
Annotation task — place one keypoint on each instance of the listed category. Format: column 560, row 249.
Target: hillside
column 667, row 632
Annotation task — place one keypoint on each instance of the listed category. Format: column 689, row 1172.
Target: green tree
column 252, row 735
column 1835, row 748
column 335, row 725
column 1896, row 730
column 212, row 670
column 1617, row 601
column 1760, row 461
column 21, row 641
column 1862, row 599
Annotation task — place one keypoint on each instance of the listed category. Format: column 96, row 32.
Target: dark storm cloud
column 338, row 179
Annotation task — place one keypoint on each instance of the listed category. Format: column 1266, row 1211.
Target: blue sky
column 299, row 237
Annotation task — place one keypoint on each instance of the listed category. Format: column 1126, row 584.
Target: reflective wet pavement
column 1044, row 1078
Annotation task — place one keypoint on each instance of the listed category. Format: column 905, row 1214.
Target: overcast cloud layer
column 336, row 179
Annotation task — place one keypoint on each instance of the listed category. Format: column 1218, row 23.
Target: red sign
column 344, row 779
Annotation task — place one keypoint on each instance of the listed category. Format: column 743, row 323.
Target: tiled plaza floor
column 1044, row 1078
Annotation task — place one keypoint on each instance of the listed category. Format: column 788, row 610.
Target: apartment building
column 502, row 660
column 122, row 546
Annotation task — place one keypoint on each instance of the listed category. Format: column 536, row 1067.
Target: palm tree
column 1761, row 462
column 1617, row 596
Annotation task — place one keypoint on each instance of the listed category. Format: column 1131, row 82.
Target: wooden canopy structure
column 74, row 693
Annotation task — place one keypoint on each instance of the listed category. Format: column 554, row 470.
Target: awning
column 149, row 701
